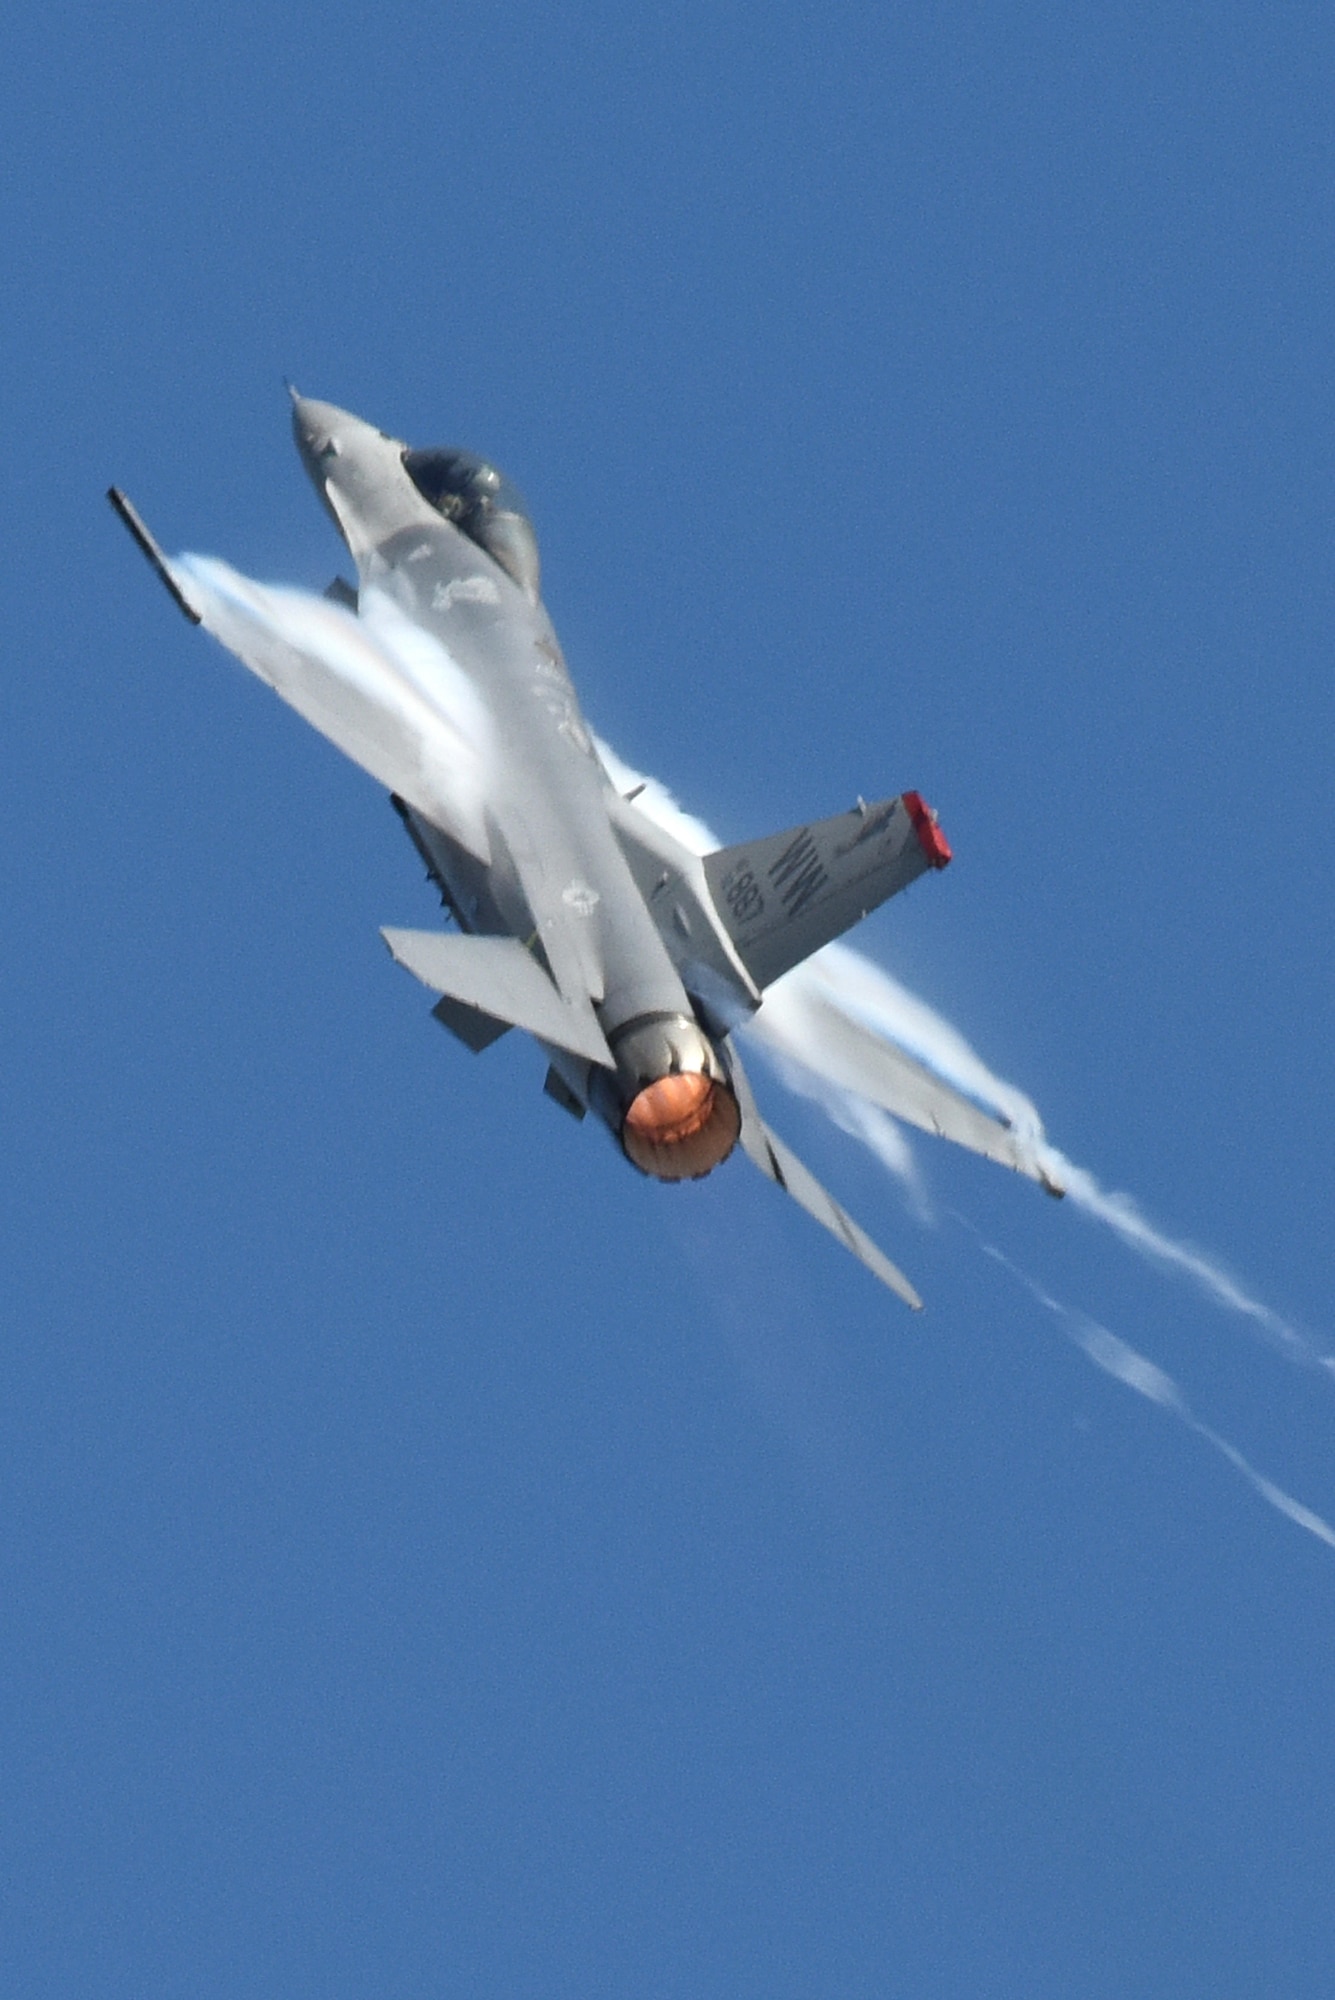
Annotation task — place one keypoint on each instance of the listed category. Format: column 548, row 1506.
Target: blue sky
column 434, row 1560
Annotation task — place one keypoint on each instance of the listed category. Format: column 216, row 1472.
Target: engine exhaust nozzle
column 679, row 1118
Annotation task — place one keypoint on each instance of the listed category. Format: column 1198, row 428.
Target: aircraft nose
column 354, row 467
column 315, row 427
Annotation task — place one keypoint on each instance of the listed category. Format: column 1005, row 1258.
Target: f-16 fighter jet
column 630, row 959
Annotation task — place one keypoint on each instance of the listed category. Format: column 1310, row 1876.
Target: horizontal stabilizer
column 476, row 1030
column 497, row 976
column 767, row 1151
column 784, row 897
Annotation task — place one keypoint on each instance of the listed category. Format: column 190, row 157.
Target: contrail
column 839, row 988
column 1116, row 1357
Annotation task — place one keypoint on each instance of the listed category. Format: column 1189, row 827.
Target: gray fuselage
column 555, row 866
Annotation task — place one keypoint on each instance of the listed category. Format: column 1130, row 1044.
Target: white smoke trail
column 1116, row 1357
column 842, row 981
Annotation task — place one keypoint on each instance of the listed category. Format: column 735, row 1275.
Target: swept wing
column 800, row 1023
column 385, row 693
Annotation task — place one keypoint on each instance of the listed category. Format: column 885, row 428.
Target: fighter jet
column 631, row 960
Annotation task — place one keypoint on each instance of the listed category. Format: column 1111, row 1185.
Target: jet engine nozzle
column 679, row 1118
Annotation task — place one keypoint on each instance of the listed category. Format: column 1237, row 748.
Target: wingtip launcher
column 138, row 529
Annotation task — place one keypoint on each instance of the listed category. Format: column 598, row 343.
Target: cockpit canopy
column 483, row 505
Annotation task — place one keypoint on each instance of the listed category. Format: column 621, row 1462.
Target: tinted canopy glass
column 483, row 504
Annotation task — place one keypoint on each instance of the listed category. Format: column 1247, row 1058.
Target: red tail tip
column 930, row 837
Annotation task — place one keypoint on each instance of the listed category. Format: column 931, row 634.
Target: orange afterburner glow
column 681, row 1127
column 672, row 1108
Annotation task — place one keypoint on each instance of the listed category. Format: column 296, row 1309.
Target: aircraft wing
column 766, row 1150
column 801, row 1025
column 375, row 689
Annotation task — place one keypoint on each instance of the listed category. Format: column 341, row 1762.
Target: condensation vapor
column 1117, row 1357
column 379, row 686
column 869, row 1000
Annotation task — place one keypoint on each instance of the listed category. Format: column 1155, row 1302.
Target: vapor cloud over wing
column 386, row 692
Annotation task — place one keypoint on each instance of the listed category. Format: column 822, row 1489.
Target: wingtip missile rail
column 130, row 515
